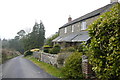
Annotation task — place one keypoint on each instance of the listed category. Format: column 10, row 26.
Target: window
column 72, row 28
column 83, row 25
column 65, row 29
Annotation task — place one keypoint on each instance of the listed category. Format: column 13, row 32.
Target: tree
column 35, row 39
column 49, row 40
column 105, row 45
column 21, row 33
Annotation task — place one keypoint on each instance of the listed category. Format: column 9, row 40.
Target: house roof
column 75, row 37
column 89, row 15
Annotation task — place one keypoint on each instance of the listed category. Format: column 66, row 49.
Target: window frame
column 73, row 26
column 83, row 25
column 65, row 29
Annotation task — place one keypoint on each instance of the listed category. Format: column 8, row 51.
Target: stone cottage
column 74, row 32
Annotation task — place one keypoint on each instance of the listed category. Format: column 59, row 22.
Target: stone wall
column 37, row 55
column 46, row 57
column 49, row 58
column 53, row 59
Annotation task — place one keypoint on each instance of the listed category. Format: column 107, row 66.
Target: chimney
column 69, row 19
column 112, row 1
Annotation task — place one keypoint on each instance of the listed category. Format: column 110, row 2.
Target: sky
column 16, row 15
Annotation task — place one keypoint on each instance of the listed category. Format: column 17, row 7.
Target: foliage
column 36, row 38
column 73, row 66
column 33, row 50
column 71, row 49
column 79, row 48
column 46, row 48
column 55, row 49
column 15, row 44
column 21, row 33
column 49, row 40
column 28, row 52
column 8, row 54
column 105, row 45
column 61, row 58
column 68, row 49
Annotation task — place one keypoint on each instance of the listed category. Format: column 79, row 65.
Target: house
column 74, row 32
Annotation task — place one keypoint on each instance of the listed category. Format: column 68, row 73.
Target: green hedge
column 73, row 66
column 105, row 45
column 46, row 48
column 55, row 49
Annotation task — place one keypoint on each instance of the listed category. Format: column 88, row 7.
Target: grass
column 46, row 67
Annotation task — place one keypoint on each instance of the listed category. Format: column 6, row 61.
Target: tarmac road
column 19, row 67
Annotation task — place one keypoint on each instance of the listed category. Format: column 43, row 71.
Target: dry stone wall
column 46, row 57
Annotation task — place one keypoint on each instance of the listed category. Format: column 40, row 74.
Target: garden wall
column 52, row 59
column 46, row 57
column 49, row 58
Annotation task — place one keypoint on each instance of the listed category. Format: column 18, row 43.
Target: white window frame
column 65, row 29
column 73, row 28
column 83, row 25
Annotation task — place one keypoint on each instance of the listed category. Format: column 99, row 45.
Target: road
column 20, row 67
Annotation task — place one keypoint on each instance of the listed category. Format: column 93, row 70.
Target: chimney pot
column 69, row 19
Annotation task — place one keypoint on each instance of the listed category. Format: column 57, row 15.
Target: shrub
column 73, row 66
column 71, row 49
column 46, row 48
column 105, row 45
column 55, row 49
column 28, row 52
column 68, row 49
column 61, row 58
column 79, row 48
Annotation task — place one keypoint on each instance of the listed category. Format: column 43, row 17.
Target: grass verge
column 46, row 67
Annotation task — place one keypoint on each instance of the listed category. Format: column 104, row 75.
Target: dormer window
column 83, row 25
column 72, row 28
column 65, row 29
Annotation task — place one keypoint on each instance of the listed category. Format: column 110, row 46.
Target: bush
column 68, row 49
column 55, row 49
column 61, row 58
column 71, row 49
column 28, row 52
column 79, row 48
column 46, row 48
column 105, row 45
column 73, row 66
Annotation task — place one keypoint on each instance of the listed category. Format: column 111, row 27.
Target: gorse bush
column 73, row 66
column 105, row 45
column 28, row 52
column 46, row 48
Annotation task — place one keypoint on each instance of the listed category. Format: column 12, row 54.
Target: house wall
column 77, row 27
column 91, row 20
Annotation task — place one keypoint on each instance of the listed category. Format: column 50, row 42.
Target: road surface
column 19, row 67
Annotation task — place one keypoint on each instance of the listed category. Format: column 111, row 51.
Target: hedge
column 105, row 45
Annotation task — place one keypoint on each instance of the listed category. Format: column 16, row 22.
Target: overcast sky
column 16, row 15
